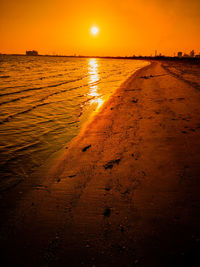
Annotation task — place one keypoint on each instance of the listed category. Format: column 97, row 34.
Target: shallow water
column 45, row 100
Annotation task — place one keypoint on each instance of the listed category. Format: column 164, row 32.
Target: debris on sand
column 107, row 212
column 107, row 188
column 71, row 176
column 109, row 165
column 134, row 100
column 86, row 148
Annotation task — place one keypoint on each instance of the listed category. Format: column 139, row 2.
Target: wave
column 14, row 100
column 4, row 76
column 11, row 87
column 26, row 147
column 52, row 76
column 41, row 87
column 22, row 112
column 42, row 99
column 49, row 95
column 12, row 116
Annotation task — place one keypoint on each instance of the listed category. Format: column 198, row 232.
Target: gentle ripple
column 45, row 100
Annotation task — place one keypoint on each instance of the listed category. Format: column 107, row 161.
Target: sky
column 126, row 27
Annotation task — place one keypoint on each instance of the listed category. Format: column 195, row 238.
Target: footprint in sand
column 109, row 165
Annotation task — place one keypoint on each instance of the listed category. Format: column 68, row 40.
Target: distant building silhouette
column 192, row 53
column 32, row 53
column 179, row 54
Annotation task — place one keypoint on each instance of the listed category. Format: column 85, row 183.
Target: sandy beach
column 126, row 190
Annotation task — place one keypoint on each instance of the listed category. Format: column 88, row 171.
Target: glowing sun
column 94, row 30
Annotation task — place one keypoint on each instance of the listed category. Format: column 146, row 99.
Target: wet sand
column 126, row 190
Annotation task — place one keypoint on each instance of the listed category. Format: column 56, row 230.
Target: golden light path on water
column 94, row 78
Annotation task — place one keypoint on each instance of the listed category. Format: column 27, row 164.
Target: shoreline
column 126, row 190
column 67, row 117
column 9, row 184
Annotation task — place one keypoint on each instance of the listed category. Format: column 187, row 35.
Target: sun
column 94, row 30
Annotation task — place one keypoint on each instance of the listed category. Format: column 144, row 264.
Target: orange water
column 45, row 100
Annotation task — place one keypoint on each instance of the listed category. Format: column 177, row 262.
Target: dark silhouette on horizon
column 32, row 53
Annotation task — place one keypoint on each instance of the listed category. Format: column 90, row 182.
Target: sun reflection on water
column 93, row 83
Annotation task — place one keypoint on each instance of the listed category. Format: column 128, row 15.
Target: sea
column 44, row 101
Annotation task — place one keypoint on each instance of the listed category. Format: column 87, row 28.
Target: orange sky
column 127, row 27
